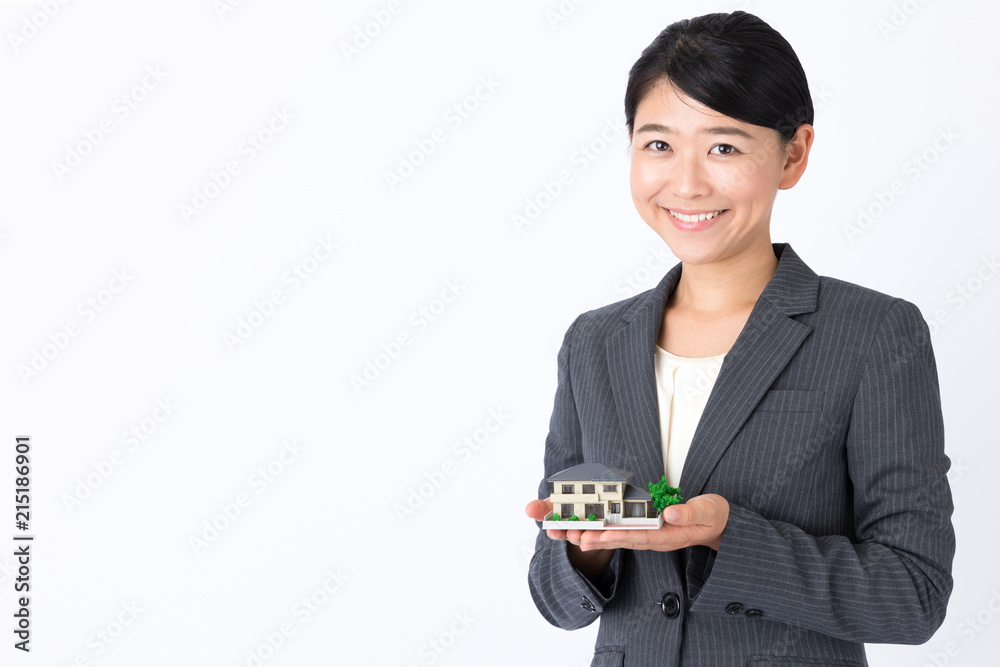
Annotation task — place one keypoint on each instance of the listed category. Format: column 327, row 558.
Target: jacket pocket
column 608, row 658
column 791, row 400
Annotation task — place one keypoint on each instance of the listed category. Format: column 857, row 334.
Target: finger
column 617, row 539
column 537, row 509
column 692, row 513
column 607, row 539
column 591, row 539
column 632, row 539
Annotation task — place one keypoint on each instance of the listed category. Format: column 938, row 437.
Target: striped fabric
column 825, row 434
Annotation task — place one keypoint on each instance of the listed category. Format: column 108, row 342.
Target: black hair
column 735, row 64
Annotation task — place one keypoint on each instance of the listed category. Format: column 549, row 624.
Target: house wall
column 580, row 499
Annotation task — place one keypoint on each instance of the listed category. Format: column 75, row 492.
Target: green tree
column 663, row 495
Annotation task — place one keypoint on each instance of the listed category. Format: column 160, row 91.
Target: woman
column 819, row 513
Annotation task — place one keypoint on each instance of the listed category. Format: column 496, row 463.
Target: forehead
column 665, row 96
column 668, row 109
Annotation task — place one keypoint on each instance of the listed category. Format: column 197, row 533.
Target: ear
column 798, row 156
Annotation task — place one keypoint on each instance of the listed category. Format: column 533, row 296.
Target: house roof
column 635, row 493
column 591, row 472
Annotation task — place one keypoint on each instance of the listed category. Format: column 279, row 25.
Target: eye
column 726, row 149
column 658, row 146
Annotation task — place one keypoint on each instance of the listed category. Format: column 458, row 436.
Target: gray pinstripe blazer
column 825, row 434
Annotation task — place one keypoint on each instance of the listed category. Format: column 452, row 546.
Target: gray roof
column 635, row 493
column 591, row 472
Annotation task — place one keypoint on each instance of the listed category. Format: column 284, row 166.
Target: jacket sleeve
column 892, row 582
column 565, row 597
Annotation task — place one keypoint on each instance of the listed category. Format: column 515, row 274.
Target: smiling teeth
column 694, row 218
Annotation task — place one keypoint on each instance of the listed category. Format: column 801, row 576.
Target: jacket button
column 754, row 613
column 670, row 605
column 734, row 608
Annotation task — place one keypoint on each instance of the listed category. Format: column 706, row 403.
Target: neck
column 733, row 283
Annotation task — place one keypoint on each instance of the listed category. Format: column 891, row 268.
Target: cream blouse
column 682, row 387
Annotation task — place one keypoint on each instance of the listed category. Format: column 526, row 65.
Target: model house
column 594, row 489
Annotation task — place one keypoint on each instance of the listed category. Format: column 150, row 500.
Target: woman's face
column 689, row 163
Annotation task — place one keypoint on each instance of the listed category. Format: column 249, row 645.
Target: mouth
column 695, row 216
column 694, row 220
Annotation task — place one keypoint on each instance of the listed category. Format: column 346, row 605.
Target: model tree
column 663, row 495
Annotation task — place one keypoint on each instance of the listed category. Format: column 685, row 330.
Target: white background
column 452, row 571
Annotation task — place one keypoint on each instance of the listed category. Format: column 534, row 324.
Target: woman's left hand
column 700, row 520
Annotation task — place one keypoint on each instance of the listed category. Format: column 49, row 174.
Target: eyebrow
column 656, row 127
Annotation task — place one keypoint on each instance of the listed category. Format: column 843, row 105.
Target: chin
column 694, row 257
column 690, row 250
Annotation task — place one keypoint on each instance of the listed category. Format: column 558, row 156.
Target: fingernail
column 672, row 514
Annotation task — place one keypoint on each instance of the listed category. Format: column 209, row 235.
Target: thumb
column 690, row 513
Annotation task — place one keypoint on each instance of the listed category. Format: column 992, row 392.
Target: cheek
column 738, row 182
column 744, row 180
column 643, row 179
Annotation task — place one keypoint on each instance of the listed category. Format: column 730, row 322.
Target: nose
column 687, row 177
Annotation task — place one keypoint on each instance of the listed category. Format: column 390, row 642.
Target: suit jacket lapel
column 764, row 347
column 633, row 381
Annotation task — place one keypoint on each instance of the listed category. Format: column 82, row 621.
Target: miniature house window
column 610, row 488
column 567, row 510
column 616, row 508
column 635, row 510
column 597, row 509
column 567, row 488
column 588, row 488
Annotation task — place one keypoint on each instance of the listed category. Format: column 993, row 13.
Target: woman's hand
column 699, row 521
